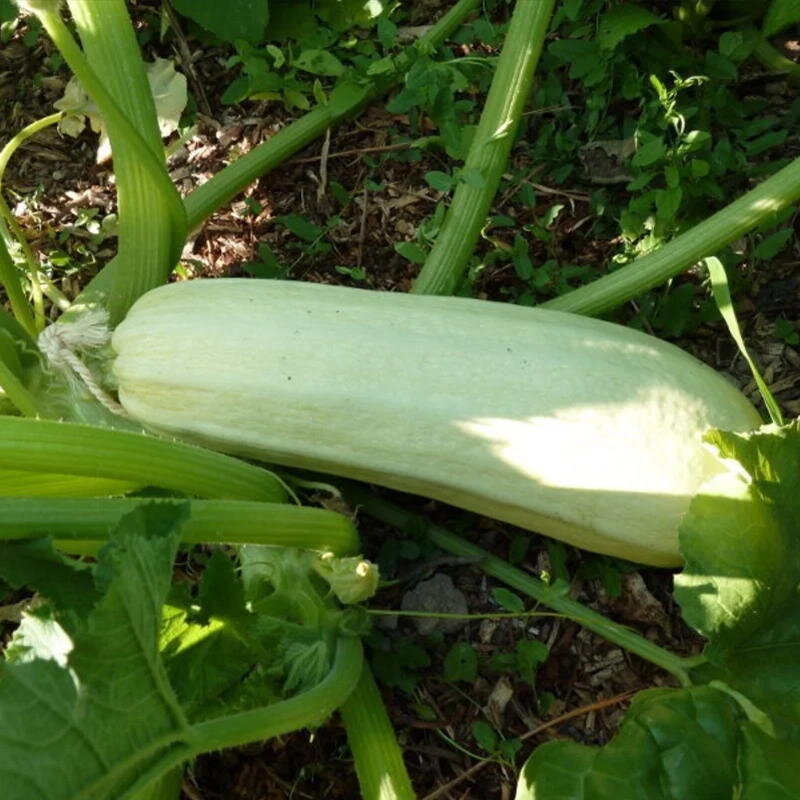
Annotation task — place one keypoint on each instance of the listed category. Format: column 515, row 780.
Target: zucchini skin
column 576, row 428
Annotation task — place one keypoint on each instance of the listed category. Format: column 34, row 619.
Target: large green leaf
column 672, row 745
column 92, row 729
column 735, row 737
column 36, row 565
column 739, row 588
column 768, row 767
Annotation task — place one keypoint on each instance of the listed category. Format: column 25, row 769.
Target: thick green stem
column 553, row 597
column 216, row 521
column 705, row 239
column 345, row 101
column 152, row 220
column 382, row 775
column 68, row 449
column 490, row 149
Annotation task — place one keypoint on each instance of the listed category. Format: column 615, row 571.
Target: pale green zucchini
column 576, row 428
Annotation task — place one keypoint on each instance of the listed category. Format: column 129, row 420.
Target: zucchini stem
column 382, row 775
column 705, row 239
column 489, row 151
column 66, row 448
column 71, row 520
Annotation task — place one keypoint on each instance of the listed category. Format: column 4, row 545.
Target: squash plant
column 121, row 676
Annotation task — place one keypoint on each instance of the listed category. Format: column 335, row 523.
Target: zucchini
column 576, row 428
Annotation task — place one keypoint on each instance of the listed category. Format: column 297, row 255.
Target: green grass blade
column 69, row 449
column 722, row 297
column 488, row 154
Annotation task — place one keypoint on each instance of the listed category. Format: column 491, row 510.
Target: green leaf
column 92, row 730
column 530, row 653
column 781, row 14
column 676, row 313
column 221, row 592
column 583, row 56
column 441, row 181
column 718, row 66
column 729, row 43
column 302, row 227
column 231, row 20
column 39, row 636
column 411, row 251
column 668, row 201
column 742, row 550
column 768, row 767
column 622, row 21
column 508, row 600
column 295, row 99
column 36, row 565
column 649, row 153
column 344, row 14
column 765, row 142
column 770, row 247
column 238, row 90
column 8, row 11
column 786, row 331
column 472, row 177
column 214, row 666
column 461, row 663
column 484, row 736
column 672, row 744
column 319, row 62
